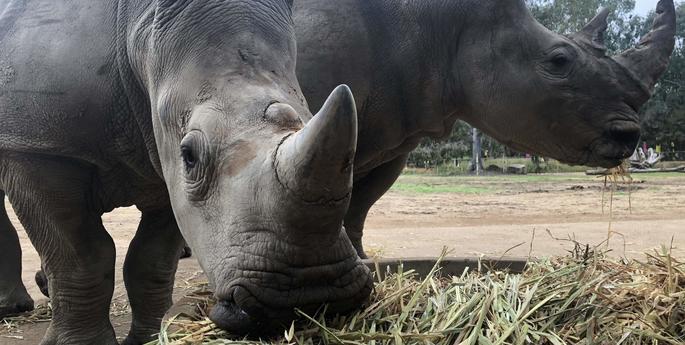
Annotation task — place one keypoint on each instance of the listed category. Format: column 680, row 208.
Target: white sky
column 642, row 7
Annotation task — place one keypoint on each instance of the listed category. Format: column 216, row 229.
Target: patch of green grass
column 658, row 176
column 489, row 179
column 448, row 169
column 552, row 177
column 489, row 184
column 424, row 188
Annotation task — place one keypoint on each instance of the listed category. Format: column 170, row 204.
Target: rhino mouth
column 261, row 301
column 618, row 142
column 244, row 314
column 230, row 316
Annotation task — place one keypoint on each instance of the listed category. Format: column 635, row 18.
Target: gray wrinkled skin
column 417, row 66
column 191, row 111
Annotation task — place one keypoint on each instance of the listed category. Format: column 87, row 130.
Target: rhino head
column 259, row 196
column 560, row 96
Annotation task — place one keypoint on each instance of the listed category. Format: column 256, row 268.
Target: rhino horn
column 595, row 29
column 315, row 164
column 649, row 59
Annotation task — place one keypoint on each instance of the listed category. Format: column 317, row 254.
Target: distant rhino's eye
column 558, row 64
column 560, row 60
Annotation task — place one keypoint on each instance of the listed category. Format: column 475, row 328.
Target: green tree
column 432, row 152
column 568, row 16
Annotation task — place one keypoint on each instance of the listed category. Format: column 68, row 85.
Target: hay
column 10, row 325
column 583, row 298
column 616, row 176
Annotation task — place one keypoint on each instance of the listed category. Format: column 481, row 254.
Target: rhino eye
column 197, row 163
column 193, row 150
column 189, row 158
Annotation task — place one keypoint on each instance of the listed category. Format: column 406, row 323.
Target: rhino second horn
column 315, row 164
column 649, row 59
column 595, row 29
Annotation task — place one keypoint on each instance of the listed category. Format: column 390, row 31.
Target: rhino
column 191, row 111
column 418, row 66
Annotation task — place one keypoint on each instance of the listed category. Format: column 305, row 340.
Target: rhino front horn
column 315, row 164
column 649, row 59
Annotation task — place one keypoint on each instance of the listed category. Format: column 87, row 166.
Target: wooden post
column 476, row 165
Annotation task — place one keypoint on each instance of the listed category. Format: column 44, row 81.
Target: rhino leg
column 42, row 280
column 14, row 298
column 54, row 203
column 365, row 193
column 149, row 272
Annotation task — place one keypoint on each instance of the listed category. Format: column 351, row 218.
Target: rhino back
column 61, row 89
column 378, row 48
column 59, row 85
column 333, row 40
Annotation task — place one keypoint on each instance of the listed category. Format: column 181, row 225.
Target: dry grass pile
column 9, row 326
column 584, row 298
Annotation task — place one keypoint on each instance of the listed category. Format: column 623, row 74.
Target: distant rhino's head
column 560, row 96
column 259, row 196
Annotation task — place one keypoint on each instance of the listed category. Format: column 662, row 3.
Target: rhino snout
column 626, row 134
column 230, row 316
column 258, row 306
column 623, row 137
column 617, row 143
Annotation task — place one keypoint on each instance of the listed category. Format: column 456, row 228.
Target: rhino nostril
column 229, row 316
column 627, row 135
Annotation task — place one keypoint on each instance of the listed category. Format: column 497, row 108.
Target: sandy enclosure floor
column 473, row 216
column 489, row 215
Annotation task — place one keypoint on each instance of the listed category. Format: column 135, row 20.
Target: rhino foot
column 15, row 303
column 187, row 252
column 52, row 337
column 131, row 341
column 42, row 282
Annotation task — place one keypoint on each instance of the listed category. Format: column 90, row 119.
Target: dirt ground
column 492, row 216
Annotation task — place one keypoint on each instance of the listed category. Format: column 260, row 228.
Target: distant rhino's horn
column 315, row 164
column 595, row 29
column 649, row 59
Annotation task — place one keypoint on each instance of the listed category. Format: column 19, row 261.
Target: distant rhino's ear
column 595, row 29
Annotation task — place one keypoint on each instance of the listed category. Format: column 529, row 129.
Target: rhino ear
column 168, row 9
column 170, row 3
column 595, row 29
